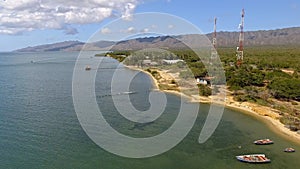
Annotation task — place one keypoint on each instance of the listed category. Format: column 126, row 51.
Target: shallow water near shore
column 39, row 127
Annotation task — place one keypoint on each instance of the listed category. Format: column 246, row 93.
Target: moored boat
column 263, row 142
column 253, row 158
column 289, row 150
column 88, row 68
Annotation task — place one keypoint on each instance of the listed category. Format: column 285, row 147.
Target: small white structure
column 146, row 62
column 172, row 61
column 201, row 81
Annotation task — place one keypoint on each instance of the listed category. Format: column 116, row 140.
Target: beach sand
column 265, row 114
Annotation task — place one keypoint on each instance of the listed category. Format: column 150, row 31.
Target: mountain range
column 286, row 36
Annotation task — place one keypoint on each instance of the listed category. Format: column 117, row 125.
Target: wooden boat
column 263, row 142
column 87, row 68
column 253, row 158
column 289, row 150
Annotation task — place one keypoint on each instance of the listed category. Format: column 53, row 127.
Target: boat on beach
column 289, row 150
column 263, row 142
column 253, row 158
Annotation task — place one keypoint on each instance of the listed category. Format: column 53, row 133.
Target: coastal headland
column 265, row 114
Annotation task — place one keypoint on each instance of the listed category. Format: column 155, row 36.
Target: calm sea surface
column 39, row 127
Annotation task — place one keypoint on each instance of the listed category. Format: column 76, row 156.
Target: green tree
column 285, row 88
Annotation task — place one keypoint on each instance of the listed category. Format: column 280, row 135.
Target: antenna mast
column 214, row 53
column 215, row 33
column 240, row 48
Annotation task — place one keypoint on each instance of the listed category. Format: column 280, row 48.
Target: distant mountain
column 286, row 36
column 166, row 42
column 69, row 46
column 61, row 46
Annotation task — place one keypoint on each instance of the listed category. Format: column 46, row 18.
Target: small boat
column 88, row 68
column 253, row 158
column 263, row 142
column 289, row 150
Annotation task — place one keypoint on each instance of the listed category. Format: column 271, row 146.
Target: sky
column 34, row 22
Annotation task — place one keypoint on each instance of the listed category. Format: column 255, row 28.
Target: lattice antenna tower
column 214, row 53
column 240, row 48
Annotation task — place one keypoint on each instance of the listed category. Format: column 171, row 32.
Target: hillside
column 68, row 46
column 286, row 36
column 61, row 46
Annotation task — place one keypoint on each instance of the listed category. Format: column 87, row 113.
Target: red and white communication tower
column 240, row 48
column 214, row 53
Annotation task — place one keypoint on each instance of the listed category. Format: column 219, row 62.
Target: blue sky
column 33, row 22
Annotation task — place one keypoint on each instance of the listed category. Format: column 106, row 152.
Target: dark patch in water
column 140, row 126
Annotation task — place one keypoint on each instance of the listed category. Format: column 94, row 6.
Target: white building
column 201, row 81
column 172, row 61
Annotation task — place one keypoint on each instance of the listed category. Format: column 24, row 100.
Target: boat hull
column 289, row 150
column 263, row 142
column 253, row 158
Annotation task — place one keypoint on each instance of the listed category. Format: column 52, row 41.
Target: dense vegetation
column 285, row 88
column 267, row 73
column 275, row 69
column 118, row 55
column 268, row 76
column 266, row 57
column 263, row 67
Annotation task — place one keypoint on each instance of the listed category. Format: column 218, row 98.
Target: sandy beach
column 265, row 114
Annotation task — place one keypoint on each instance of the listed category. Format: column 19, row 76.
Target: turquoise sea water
column 39, row 127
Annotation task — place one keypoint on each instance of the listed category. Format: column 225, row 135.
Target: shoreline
column 274, row 124
column 265, row 114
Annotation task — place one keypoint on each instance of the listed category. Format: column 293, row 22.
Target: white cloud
column 105, row 31
column 145, row 30
column 129, row 8
column 18, row 16
column 129, row 30
column 171, row 26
